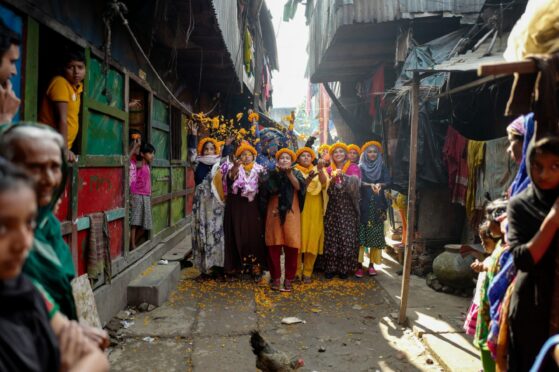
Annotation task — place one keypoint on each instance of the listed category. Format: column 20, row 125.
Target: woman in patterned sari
column 341, row 222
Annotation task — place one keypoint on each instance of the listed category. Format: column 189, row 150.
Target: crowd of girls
column 254, row 203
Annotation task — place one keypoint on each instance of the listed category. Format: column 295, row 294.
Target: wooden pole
column 509, row 68
column 411, row 198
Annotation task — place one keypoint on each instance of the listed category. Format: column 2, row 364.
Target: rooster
column 269, row 359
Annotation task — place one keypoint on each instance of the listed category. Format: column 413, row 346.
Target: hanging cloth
column 476, row 152
column 455, row 157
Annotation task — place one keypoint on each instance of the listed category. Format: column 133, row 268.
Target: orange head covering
column 305, row 149
column 203, row 142
column 338, row 145
column 323, row 147
column 354, row 147
column 377, row 144
column 245, row 146
column 285, row 150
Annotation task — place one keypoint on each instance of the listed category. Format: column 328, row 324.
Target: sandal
column 286, row 286
column 307, row 280
column 276, row 284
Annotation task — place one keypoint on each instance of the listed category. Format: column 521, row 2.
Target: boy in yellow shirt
column 61, row 104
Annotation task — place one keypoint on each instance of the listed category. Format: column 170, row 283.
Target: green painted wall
column 178, row 179
column 160, row 111
column 177, row 209
column 114, row 94
column 160, row 180
column 104, row 135
column 184, row 133
column 160, row 139
column 160, row 215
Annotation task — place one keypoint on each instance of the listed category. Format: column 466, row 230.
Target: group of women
column 300, row 203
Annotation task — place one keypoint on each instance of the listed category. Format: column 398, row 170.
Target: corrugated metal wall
column 329, row 15
column 227, row 18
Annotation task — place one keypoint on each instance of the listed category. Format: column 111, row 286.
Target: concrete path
column 435, row 317
column 349, row 325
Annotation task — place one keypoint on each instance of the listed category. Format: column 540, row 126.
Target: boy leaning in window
column 61, row 104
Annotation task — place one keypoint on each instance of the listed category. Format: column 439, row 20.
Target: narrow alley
column 205, row 326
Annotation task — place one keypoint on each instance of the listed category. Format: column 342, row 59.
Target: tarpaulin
column 431, row 135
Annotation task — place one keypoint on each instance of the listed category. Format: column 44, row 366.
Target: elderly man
column 38, row 149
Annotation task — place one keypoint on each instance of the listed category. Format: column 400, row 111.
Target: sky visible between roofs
column 290, row 84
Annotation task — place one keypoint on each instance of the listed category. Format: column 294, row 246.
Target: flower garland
column 306, row 149
column 336, row 171
column 304, row 170
column 377, row 144
column 337, row 145
column 253, row 116
column 354, row 147
column 248, row 167
column 245, row 147
column 206, row 140
column 285, row 150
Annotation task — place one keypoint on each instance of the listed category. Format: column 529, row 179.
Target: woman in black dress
column 533, row 217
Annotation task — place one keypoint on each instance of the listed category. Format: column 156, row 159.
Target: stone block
column 154, row 285
column 180, row 251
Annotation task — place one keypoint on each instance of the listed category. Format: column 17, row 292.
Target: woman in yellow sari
column 312, row 217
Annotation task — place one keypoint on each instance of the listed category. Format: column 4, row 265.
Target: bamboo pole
column 411, row 198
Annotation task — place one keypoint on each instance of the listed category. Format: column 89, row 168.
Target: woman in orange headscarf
column 283, row 196
column 312, row 217
column 243, row 225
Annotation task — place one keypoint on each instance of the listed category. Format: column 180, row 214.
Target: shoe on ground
column 399, row 272
column 329, row 275
column 372, row 271
column 359, row 273
column 286, row 286
column 307, row 280
column 276, row 284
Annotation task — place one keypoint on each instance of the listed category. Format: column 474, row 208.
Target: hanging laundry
column 98, row 253
column 455, row 158
column 476, row 152
column 248, row 52
column 497, row 173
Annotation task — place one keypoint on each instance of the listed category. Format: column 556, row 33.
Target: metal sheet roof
column 226, row 14
column 471, row 60
column 376, row 11
column 371, row 19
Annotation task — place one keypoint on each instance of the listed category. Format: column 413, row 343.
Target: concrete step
column 154, row 285
column 180, row 251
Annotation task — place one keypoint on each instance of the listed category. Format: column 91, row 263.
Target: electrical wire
column 137, row 43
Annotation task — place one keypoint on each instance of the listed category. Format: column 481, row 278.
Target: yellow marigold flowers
column 253, row 117
column 239, row 116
